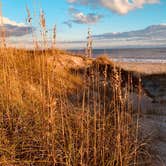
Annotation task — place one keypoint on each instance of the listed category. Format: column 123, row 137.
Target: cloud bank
column 152, row 32
column 13, row 29
column 118, row 6
column 153, row 36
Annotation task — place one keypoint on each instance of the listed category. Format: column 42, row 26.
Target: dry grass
column 52, row 116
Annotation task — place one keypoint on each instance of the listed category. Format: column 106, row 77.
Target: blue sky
column 100, row 16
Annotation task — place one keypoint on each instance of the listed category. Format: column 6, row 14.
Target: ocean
column 138, row 55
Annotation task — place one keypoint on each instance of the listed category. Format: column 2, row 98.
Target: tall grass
column 53, row 114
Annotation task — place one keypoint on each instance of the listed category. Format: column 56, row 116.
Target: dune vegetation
column 60, row 109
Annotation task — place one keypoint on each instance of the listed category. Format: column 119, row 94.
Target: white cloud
column 90, row 18
column 118, row 6
column 81, row 18
column 12, row 28
column 5, row 20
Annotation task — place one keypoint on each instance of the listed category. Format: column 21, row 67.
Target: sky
column 74, row 17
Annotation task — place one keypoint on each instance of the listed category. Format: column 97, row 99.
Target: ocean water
column 138, row 55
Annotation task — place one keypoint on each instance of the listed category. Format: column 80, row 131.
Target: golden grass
column 52, row 116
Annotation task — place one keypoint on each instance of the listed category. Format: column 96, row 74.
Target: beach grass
column 60, row 109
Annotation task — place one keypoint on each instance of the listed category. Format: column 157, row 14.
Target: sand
column 146, row 68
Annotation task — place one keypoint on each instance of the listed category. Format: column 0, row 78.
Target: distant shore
column 143, row 55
